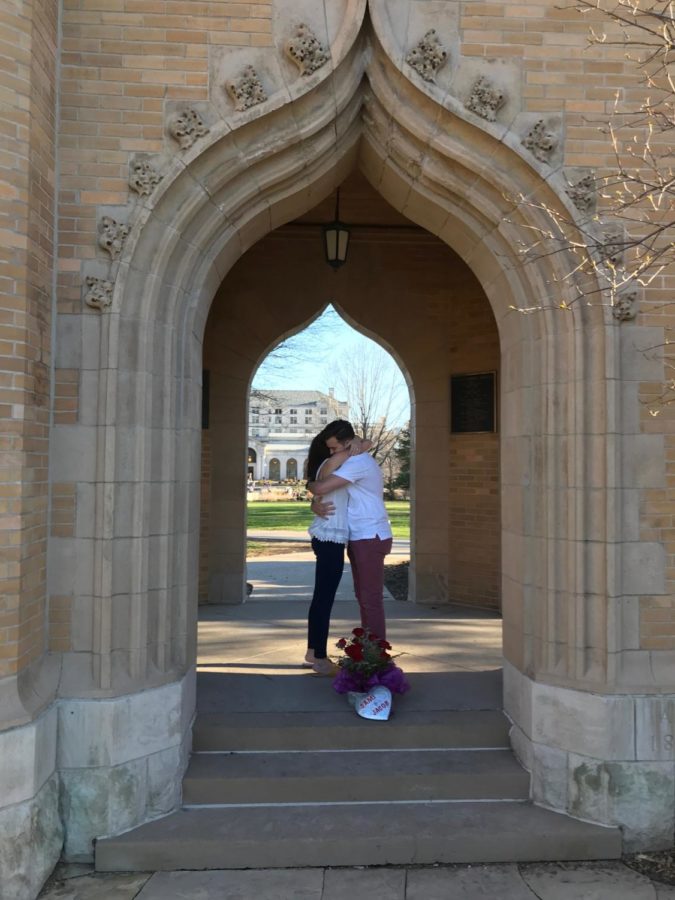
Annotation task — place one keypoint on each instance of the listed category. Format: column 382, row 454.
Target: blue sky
column 304, row 363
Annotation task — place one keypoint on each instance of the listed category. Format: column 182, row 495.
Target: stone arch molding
column 448, row 170
column 369, row 92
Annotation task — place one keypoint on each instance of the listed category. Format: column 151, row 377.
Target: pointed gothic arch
column 463, row 182
column 459, row 183
column 243, row 329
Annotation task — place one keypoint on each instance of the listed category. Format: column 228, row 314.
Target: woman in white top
column 329, row 537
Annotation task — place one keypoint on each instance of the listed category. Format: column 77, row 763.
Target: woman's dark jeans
column 330, row 561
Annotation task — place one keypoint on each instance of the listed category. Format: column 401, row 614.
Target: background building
column 281, row 427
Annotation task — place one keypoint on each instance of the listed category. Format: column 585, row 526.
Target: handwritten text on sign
column 376, row 704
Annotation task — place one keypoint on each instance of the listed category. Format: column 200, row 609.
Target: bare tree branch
column 628, row 243
column 370, row 382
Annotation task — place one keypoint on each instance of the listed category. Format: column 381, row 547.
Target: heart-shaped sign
column 374, row 704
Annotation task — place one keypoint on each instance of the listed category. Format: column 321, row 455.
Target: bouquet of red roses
column 367, row 663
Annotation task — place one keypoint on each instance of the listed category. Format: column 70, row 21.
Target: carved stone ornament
column 306, row 51
column 611, row 246
column 99, row 293
column 540, row 142
column 427, row 56
column 187, row 127
column 143, row 176
column 625, row 305
column 247, row 90
column 111, row 235
column 583, row 193
column 486, row 100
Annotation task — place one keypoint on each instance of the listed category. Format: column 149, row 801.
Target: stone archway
column 438, row 211
column 459, row 180
column 409, row 293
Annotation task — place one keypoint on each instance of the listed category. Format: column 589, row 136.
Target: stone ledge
column 95, row 733
column 121, row 761
column 600, row 726
column 624, row 775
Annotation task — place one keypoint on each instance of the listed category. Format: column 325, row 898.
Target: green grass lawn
column 296, row 516
column 399, row 516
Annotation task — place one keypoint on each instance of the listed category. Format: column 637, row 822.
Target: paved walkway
column 452, row 652
column 249, row 654
column 532, row 881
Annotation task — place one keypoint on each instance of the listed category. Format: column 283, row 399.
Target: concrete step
column 355, row 835
column 351, row 775
column 345, row 731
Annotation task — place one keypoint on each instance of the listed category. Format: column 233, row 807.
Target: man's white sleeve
column 351, row 469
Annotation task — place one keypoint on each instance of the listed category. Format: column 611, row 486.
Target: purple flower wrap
column 392, row 678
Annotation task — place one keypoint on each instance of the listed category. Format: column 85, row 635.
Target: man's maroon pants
column 367, row 561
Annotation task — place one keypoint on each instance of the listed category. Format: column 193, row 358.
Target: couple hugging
column 349, row 509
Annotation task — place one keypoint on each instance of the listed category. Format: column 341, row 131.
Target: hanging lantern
column 336, row 238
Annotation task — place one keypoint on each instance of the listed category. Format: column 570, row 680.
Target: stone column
column 130, row 567
column 577, row 685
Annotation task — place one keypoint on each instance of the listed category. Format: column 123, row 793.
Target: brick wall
column 60, row 623
column 474, row 511
column 66, row 396
column 559, row 72
column 27, row 178
column 122, row 60
column 64, row 499
column 474, row 563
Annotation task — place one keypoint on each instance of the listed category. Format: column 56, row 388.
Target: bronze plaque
column 473, row 403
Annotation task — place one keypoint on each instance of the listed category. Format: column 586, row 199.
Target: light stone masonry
column 607, row 759
column 121, row 761
column 33, row 843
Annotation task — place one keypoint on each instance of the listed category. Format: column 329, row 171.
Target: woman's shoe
column 325, row 667
column 309, row 660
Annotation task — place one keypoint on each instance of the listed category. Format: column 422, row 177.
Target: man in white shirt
column 370, row 534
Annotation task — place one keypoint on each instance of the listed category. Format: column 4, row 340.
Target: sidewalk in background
column 400, row 546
